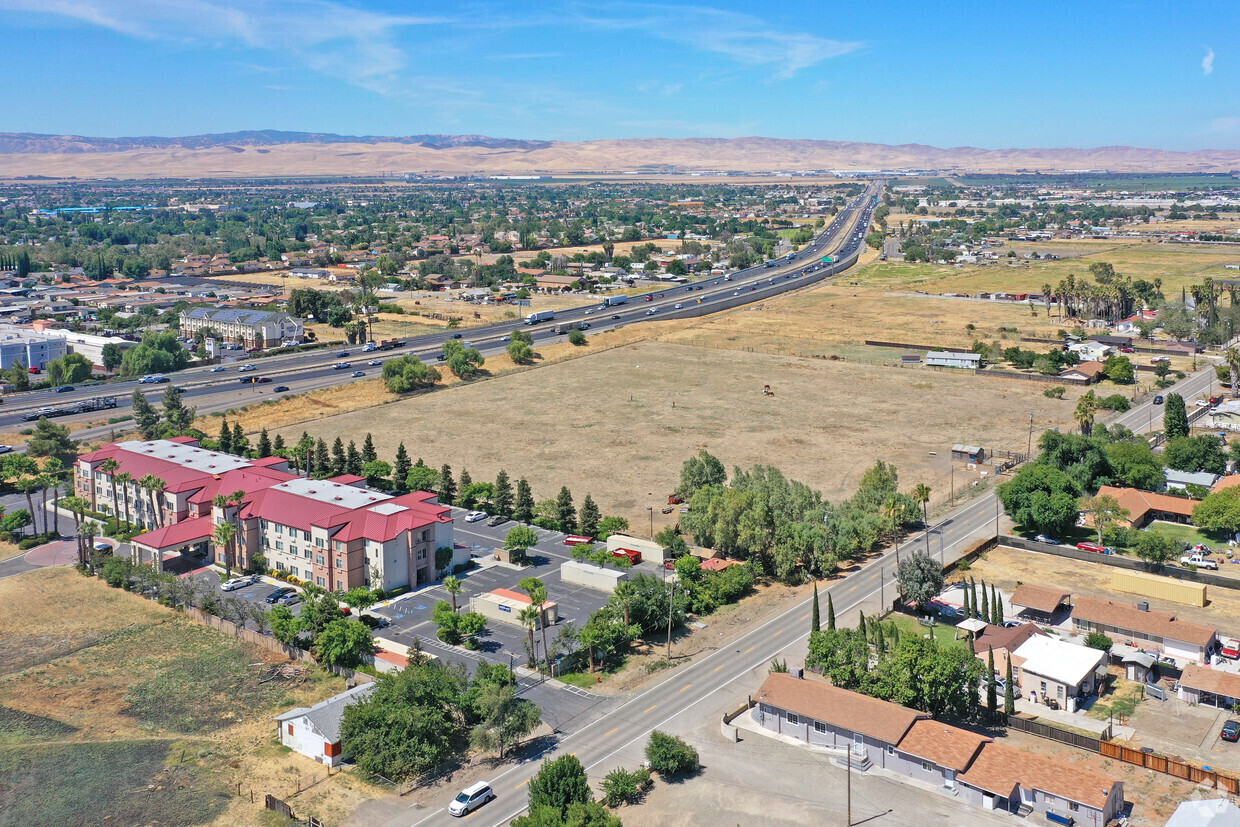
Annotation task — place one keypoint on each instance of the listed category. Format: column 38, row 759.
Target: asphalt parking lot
column 256, row 593
column 410, row 615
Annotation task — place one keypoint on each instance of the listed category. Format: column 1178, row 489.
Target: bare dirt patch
column 623, row 420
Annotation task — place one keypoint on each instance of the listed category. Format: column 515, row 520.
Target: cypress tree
column 447, row 485
column 992, row 700
column 401, row 468
column 1009, row 692
column 861, row 626
column 368, row 450
column 322, row 461
column 339, row 462
column 996, row 606
column 353, row 460
column 813, row 622
column 973, row 588
column 264, row 443
column 968, row 600
column 985, row 603
column 830, row 612
column 879, row 644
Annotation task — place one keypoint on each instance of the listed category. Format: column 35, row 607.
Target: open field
column 828, row 421
column 114, row 707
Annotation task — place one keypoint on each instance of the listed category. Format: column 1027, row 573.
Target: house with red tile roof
column 335, row 533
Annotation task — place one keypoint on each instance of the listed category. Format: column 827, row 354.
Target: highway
column 212, row 391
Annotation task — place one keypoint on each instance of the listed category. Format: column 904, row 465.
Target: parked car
column 4, row 449
column 1202, row 403
column 237, row 583
column 498, row 519
column 475, row 516
column 1158, row 359
column 279, row 593
column 1231, row 731
column 1091, row 547
column 1199, row 560
column 1231, row 648
column 470, row 799
column 289, row 599
column 1042, row 538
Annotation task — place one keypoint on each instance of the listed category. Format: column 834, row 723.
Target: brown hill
column 263, row 154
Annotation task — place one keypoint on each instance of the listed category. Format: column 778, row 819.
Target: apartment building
column 252, row 328
column 335, row 533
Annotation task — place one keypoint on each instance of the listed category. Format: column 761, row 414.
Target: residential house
column 1113, row 341
column 1006, row 778
column 1091, row 351
column 1054, row 669
column 1087, row 372
column 315, row 731
column 1144, row 506
column 1132, row 323
column 1144, row 628
column 1003, row 641
column 1199, row 684
column 1225, row 415
column 1180, row 480
column 936, row 753
column 951, row 359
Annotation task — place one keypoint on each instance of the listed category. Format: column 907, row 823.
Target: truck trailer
column 612, row 301
column 540, row 316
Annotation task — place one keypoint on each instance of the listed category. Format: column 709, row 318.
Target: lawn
column 944, row 633
column 1188, row 534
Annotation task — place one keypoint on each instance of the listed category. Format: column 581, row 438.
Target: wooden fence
column 1054, row 733
column 1171, row 766
column 1124, row 562
column 248, row 635
column 1033, row 377
column 907, row 346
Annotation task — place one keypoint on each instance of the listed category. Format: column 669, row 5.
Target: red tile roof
column 853, row 711
column 511, row 595
column 178, row 534
column 1139, row 503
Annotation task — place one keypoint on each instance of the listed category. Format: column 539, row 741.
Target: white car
column 1203, row 403
column 246, row 369
column 237, row 583
column 677, row 307
column 470, row 799
column 218, row 369
column 475, row 516
column 4, row 449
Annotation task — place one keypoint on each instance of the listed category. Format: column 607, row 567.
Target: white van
column 470, row 799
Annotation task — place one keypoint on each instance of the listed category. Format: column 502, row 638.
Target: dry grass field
column 618, row 424
column 115, row 709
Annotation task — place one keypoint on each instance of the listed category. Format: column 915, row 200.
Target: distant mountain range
column 268, row 153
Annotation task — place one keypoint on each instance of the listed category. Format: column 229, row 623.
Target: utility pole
column 670, row 602
column 1029, row 451
column 849, row 763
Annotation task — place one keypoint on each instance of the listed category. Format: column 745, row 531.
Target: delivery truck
column 540, row 316
column 612, row 301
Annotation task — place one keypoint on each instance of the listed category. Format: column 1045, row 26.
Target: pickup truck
column 1200, row 561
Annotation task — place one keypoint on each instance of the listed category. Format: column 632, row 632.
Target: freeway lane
column 211, row 391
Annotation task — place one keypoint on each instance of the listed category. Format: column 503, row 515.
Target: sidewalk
column 1071, row 719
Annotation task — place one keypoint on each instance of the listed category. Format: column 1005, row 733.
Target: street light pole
column 650, row 508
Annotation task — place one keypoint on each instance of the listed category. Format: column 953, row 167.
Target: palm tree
column 224, row 534
column 110, row 466
column 55, row 469
column 1232, row 357
column 153, row 485
column 27, row 485
column 1084, row 414
column 123, row 479
column 77, row 505
column 922, row 495
column 452, row 585
column 528, row 617
column 89, row 531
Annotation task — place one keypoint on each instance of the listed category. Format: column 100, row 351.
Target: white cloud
column 1227, row 125
column 1207, row 62
column 742, row 38
column 340, row 41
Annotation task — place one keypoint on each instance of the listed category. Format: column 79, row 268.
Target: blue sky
column 988, row 74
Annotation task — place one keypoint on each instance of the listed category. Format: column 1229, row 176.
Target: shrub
column 1056, row 392
column 669, row 755
column 1097, row 640
column 623, row 787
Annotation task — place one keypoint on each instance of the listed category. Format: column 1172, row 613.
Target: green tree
column 1106, row 511
column 670, row 756
column 566, row 514
column 464, row 362
column 146, row 417
column 1196, row 453
column 593, row 814
column 830, row 613
column 1119, row 369
column 623, row 787
column 520, row 352
column 520, row 539
column 317, row 611
column 1218, row 512
column 920, row 578
column 523, row 507
column 1041, row 498
column 264, row 443
column 422, row 478
column 1097, row 640
column 502, row 496
column 992, row 686
column 156, row 353
column 590, row 517
column 699, row 472
column 358, row 597
column 611, row 525
column 453, row 586
column 52, row 440
column 504, row 719
column 1135, row 464
column 176, row 414
column 404, row 374
column 112, row 355
column 72, row 368
column 1175, row 417
column 1086, row 407
column 284, row 625
column 447, row 485
column 1009, row 691
column 576, row 337
column 560, row 783
column 413, row 721
column 401, row 469
column 814, row 623
column 344, row 643
column 18, row 375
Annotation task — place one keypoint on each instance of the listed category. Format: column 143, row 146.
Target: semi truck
column 540, row 316
column 98, row 403
column 612, row 301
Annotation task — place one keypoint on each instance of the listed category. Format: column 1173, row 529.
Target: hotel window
column 307, row 554
column 306, row 536
column 279, row 545
column 319, row 559
column 339, row 563
column 279, row 565
column 293, row 571
column 320, row 581
column 793, row 718
column 426, row 535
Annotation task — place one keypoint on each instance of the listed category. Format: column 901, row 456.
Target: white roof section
column 1066, row 663
column 1212, row 812
column 186, row 456
column 388, row 509
column 331, row 493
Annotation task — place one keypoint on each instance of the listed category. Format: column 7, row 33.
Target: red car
column 1090, row 547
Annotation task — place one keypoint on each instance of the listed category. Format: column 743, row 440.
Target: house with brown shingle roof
column 1040, row 601
column 935, row 753
column 1209, row 687
column 814, row 711
column 1144, row 628
column 1006, row 778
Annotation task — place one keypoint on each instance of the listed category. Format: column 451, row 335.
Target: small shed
column 910, row 358
column 505, row 605
column 1137, row 664
column 968, row 453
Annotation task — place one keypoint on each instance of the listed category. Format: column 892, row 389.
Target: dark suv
column 275, row 596
column 1231, row 731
